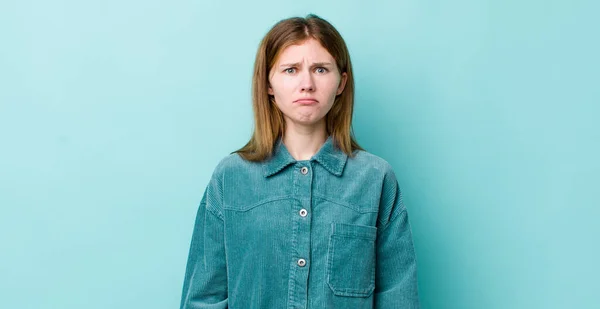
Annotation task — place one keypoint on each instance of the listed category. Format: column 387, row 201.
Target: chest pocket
column 351, row 259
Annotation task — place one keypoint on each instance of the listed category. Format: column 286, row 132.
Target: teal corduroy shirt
column 329, row 232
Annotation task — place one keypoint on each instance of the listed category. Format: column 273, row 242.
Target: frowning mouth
column 306, row 101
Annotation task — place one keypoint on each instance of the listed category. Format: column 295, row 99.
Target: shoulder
column 225, row 166
column 366, row 161
column 391, row 200
column 229, row 161
column 232, row 163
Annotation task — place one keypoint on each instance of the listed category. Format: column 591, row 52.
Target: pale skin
column 304, row 82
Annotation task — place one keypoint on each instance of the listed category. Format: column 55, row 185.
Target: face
column 304, row 82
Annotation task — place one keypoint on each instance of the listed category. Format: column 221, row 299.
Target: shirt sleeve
column 396, row 269
column 205, row 283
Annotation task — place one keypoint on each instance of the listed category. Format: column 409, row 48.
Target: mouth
column 306, row 101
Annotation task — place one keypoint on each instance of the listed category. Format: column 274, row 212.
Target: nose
column 307, row 83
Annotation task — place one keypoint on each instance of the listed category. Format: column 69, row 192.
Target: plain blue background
column 113, row 115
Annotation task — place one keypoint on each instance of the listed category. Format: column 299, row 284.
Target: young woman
column 302, row 216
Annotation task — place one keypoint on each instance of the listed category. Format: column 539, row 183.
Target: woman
column 302, row 216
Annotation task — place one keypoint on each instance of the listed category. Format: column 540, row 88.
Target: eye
column 321, row 70
column 290, row 70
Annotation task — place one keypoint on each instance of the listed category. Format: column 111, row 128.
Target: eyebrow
column 316, row 64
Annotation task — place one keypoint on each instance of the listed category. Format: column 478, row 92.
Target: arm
column 205, row 283
column 396, row 274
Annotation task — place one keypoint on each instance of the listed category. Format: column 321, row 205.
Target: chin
column 308, row 121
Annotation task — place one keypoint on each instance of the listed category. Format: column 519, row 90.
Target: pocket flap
column 353, row 230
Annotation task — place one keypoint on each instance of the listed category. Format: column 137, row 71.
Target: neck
column 304, row 142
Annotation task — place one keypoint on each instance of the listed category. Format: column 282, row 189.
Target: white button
column 304, row 170
column 301, row 262
column 303, row 212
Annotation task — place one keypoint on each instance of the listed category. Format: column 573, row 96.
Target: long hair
column 269, row 124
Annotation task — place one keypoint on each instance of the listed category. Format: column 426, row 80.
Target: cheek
column 283, row 87
column 330, row 86
column 288, row 83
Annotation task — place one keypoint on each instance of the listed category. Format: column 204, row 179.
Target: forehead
column 309, row 49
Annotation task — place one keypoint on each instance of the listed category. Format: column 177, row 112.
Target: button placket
column 303, row 182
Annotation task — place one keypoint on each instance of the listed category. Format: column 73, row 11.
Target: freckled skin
column 301, row 71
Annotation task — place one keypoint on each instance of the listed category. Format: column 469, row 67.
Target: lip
column 306, row 101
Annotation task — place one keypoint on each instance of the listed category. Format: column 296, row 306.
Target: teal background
column 113, row 115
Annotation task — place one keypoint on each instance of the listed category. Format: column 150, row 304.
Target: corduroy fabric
column 329, row 232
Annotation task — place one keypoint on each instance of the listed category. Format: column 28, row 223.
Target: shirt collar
column 329, row 156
